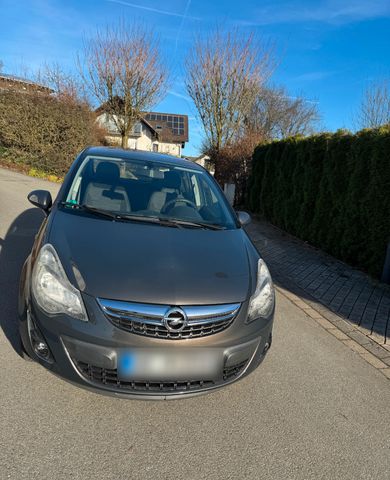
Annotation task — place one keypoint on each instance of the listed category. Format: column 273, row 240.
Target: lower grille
column 109, row 377
column 233, row 371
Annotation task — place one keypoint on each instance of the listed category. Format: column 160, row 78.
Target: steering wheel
column 178, row 200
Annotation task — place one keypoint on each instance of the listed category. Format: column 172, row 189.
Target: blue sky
column 329, row 50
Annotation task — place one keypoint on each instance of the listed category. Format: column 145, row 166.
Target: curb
column 351, row 337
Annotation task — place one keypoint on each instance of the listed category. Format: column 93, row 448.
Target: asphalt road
column 313, row 410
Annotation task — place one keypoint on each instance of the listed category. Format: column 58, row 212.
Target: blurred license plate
column 162, row 365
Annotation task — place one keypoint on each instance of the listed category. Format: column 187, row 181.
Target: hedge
column 332, row 190
column 44, row 132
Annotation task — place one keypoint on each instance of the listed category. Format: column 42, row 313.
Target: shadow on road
column 14, row 249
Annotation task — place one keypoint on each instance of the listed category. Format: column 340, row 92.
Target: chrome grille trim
column 147, row 319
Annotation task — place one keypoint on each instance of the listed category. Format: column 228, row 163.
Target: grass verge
column 15, row 161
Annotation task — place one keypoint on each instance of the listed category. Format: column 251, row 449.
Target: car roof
column 141, row 155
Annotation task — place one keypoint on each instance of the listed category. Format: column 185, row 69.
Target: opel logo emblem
column 175, row 319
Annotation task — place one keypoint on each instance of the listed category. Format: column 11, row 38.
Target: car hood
column 152, row 263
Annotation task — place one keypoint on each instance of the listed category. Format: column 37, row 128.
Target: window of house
column 137, row 129
column 155, row 147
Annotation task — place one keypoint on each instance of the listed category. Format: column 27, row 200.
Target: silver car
column 142, row 282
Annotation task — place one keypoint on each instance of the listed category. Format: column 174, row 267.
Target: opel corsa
column 142, row 281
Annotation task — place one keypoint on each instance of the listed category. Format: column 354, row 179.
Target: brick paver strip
column 338, row 295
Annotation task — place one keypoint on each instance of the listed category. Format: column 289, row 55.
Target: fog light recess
column 38, row 343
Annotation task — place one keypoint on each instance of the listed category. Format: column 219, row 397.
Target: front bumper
column 86, row 353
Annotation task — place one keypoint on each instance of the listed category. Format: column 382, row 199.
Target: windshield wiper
column 168, row 222
column 141, row 218
column 121, row 216
column 187, row 223
column 95, row 211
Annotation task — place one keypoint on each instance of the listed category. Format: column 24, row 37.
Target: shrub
column 332, row 190
column 47, row 132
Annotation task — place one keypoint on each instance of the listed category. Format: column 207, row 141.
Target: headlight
column 263, row 299
column 51, row 287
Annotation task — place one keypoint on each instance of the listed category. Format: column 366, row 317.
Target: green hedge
column 332, row 190
column 43, row 132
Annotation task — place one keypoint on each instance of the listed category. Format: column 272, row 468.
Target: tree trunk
column 124, row 142
column 218, row 172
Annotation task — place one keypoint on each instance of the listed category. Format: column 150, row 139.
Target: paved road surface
column 313, row 410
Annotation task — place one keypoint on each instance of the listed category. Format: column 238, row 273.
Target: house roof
column 169, row 127
column 21, row 80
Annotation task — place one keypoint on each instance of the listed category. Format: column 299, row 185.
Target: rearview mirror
column 244, row 218
column 41, row 199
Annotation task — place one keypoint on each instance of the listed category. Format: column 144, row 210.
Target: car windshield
column 135, row 189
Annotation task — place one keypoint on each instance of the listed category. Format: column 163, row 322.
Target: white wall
column 170, row 148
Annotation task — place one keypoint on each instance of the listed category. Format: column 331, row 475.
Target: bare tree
column 65, row 85
column 123, row 71
column 224, row 74
column 275, row 114
column 374, row 109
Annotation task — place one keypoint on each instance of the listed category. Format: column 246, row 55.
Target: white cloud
column 312, row 76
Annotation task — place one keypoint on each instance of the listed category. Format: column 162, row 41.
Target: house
column 22, row 85
column 155, row 132
column 204, row 161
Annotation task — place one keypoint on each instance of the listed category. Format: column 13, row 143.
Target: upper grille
column 148, row 319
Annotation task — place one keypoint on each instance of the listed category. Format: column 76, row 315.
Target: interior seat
column 104, row 190
column 170, row 191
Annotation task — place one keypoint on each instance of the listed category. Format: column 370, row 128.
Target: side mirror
column 41, row 199
column 244, row 218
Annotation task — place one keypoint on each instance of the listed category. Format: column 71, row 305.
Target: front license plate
column 163, row 365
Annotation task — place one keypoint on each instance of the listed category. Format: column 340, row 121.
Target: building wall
column 170, row 148
column 204, row 162
column 147, row 142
